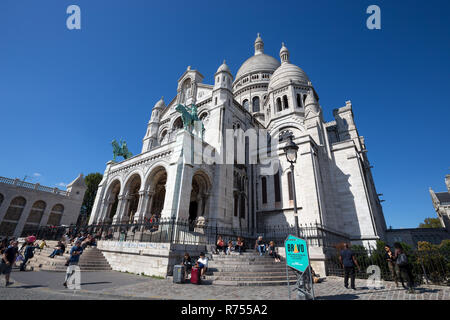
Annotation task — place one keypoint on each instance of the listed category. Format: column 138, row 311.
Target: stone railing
column 32, row 186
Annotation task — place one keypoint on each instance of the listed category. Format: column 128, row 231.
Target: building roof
column 78, row 182
column 259, row 62
column 443, row 197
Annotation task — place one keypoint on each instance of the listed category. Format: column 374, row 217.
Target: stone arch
column 12, row 216
column 177, row 124
column 55, row 215
column 255, row 104
column 131, row 195
column 155, row 189
column 34, row 218
column 198, row 202
column 111, row 200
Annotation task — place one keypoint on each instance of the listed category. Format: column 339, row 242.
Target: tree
column 431, row 223
column 92, row 181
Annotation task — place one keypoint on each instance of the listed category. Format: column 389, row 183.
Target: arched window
column 163, row 137
column 264, row 189
column 304, row 99
column 55, row 215
column 285, row 102
column 12, row 216
column 256, row 104
column 37, row 211
column 276, row 184
column 15, row 209
column 1, row 199
column 279, row 107
column 299, row 100
column 245, row 104
column 178, row 124
column 242, row 207
column 289, row 178
column 186, row 90
column 236, row 204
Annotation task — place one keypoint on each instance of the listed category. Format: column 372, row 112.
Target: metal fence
column 428, row 266
column 187, row 232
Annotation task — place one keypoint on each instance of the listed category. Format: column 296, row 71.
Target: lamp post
column 291, row 155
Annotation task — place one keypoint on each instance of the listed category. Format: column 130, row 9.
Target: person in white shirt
column 202, row 264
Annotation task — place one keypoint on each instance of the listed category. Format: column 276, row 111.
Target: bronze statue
column 121, row 150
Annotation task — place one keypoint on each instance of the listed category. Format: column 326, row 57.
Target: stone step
column 252, row 283
column 254, row 269
column 245, row 273
column 250, row 278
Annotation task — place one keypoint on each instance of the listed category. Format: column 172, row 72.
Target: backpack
column 402, row 260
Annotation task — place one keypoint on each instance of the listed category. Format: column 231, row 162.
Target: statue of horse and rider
column 121, row 150
column 189, row 117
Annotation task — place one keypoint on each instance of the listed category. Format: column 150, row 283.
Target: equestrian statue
column 121, row 150
column 189, row 116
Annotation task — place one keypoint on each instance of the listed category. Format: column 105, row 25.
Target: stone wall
column 147, row 258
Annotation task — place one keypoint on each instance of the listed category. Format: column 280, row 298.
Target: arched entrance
column 111, row 202
column 199, row 196
column 157, row 192
column 132, row 198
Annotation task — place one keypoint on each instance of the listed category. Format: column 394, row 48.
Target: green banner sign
column 296, row 253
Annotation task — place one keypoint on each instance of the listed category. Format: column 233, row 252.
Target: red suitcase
column 195, row 275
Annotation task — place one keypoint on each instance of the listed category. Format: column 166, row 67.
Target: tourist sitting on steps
column 260, row 246
column 273, row 252
column 59, row 250
column 220, row 245
column 187, row 263
column 202, row 264
column 229, row 248
column 240, row 245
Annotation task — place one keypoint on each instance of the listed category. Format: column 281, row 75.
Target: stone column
column 139, row 215
column 119, row 212
column 46, row 214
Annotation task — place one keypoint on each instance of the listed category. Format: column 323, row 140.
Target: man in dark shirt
column 348, row 261
column 8, row 259
column 74, row 258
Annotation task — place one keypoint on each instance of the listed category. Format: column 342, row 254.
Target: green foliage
column 92, row 181
column 431, row 223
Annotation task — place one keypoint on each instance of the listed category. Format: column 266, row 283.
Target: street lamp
column 291, row 155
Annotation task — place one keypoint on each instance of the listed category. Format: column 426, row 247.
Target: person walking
column 404, row 267
column 28, row 254
column 393, row 268
column 75, row 253
column 8, row 258
column 348, row 261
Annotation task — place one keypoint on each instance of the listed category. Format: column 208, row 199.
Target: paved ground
column 116, row 285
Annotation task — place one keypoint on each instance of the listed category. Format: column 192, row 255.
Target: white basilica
column 332, row 175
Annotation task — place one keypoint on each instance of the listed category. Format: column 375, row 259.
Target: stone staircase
column 247, row 269
column 92, row 259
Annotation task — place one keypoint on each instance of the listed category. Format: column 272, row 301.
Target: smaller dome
column 223, row 68
column 287, row 73
column 160, row 104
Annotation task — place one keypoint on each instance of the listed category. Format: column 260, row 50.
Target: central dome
column 259, row 62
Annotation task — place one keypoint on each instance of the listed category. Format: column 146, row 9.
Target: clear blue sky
column 64, row 95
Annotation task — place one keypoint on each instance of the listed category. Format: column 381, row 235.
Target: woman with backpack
column 404, row 267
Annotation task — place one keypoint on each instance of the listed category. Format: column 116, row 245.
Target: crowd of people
column 12, row 254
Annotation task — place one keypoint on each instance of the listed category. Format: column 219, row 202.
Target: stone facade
column 26, row 206
column 332, row 175
column 441, row 203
